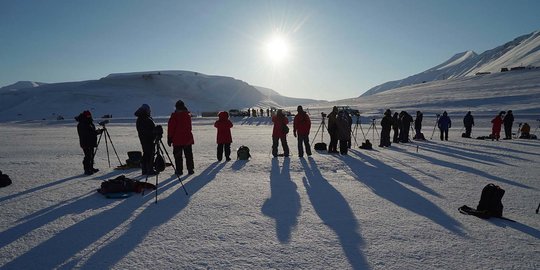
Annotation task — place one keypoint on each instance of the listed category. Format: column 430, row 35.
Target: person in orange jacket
column 496, row 128
column 180, row 137
column 224, row 137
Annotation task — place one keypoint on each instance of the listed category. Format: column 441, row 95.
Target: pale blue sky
column 338, row 49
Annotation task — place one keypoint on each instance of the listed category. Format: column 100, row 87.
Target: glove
column 169, row 142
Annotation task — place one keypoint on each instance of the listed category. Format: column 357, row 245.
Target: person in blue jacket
column 444, row 125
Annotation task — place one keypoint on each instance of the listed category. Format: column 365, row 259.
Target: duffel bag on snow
column 320, row 146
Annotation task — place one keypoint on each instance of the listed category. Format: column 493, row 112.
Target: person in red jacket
column 224, row 137
column 496, row 128
column 301, row 127
column 180, row 137
column 280, row 133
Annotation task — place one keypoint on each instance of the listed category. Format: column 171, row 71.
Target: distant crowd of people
column 180, row 136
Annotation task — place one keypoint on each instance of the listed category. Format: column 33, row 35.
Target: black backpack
column 159, row 163
column 243, row 153
column 4, row 180
column 490, row 200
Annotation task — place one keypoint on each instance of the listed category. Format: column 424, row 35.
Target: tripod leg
column 172, row 164
column 434, row 127
column 157, row 175
column 116, row 153
column 97, row 146
column 107, row 147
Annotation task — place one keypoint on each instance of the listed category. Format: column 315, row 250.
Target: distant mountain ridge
column 523, row 51
column 121, row 94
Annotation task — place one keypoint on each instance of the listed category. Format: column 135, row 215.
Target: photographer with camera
column 180, row 137
column 88, row 140
column 145, row 130
column 333, row 130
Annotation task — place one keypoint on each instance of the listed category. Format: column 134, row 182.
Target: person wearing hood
column 418, row 125
column 224, row 137
column 405, row 126
column 468, row 122
column 88, row 140
column 496, row 127
column 343, row 123
column 279, row 133
column 333, row 130
column 508, row 122
column 180, row 137
column 301, row 128
column 395, row 127
column 386, row 124
column 145, row 130
column 444, row 125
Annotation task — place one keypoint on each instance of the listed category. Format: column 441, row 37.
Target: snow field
column 392, row 208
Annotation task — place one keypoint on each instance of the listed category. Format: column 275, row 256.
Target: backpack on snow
column 320, row 146
column 243, row 153
column 490, row 200
column 4, row 180
column 490, row 204
column 159, row 163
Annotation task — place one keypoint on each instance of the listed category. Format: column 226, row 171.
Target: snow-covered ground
column 392, row 208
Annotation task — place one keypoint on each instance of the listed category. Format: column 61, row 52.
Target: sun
column 277, row 49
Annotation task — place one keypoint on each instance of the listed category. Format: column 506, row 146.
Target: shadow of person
column 335, row 212
column 284, row 202
column 382, row 180
column 51, row 184
column 150, row 218
column 516, row 226
column 64, row 245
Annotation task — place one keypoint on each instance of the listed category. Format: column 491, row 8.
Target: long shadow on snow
column 284, row 202
column 516, row 226
column 335, row 212
column 150, row 218
column 464, row 169
column 58, row 249
column 453, row 152
column 487, row 153
column 382, row 179
column 505, row 149
column 57, row 182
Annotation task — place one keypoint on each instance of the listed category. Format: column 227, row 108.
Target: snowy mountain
column 523, row 51
column 517, row 90
column 20, row 85
column 121, row 94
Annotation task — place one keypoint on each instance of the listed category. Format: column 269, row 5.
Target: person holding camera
column 145, row 130
column 333, row 130
column 180, row 137
column 88, row 140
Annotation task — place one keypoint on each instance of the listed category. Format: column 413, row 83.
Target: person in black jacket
column 333, row 130
column 145, row 130
column 405, row 120
column 468, row 122
column 508, row 121
column 418, row 125
column 395, row 127
column 386, row 124
column 87, row 140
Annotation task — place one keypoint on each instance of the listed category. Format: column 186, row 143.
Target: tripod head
column 103, row 123
column 158, row 133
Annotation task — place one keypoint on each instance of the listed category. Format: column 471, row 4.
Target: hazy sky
column 328, row 49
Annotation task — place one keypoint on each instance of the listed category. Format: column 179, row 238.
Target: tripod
column 107, row 137
column 373, row 130
column 322, row 125
column 354, row 131
column 160, row 148
column 434, row 127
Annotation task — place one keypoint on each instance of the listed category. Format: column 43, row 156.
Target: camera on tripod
column 103, row 123
column 158, row 132
column 324, row 115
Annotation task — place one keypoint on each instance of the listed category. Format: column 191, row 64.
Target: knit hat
column 87, row 114
column 146, row 108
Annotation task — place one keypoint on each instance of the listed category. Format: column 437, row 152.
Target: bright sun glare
column 277, row 49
